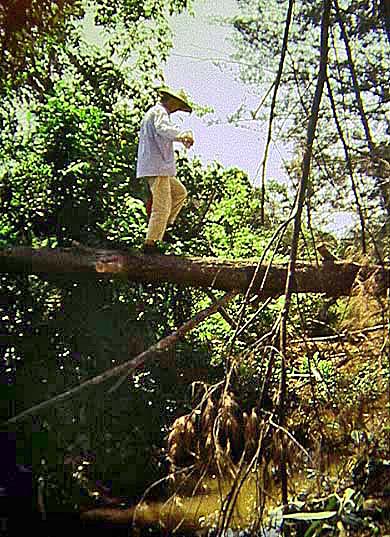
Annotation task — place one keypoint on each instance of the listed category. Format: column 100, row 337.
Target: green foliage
column 68, row 152
column 325, row 375
column 71, row 176
column 224, row 213
column 26, row 26
column 68, row 172
column 31, row 33
column 343, row 514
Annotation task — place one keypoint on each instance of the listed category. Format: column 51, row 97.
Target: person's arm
column 165, row 129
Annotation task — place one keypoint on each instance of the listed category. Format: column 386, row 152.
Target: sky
column 197, row 41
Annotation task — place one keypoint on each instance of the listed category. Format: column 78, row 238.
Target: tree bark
column 333, row 279
column 302, row 189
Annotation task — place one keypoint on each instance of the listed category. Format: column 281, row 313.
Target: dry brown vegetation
column 338, row 418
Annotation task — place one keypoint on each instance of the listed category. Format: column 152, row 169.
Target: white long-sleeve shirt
column 155, row 146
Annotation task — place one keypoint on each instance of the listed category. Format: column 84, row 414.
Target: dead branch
column 273, row 104
column 348, row 161
column 131, row 365
column 343, row 336
column 223, row 312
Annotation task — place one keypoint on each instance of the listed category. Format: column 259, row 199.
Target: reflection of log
column 334, row 279
column 169, row 515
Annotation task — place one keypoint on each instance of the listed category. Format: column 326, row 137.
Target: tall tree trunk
column 382, row 185
column 303, row 184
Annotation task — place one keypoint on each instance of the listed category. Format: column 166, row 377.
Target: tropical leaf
column 321, row 515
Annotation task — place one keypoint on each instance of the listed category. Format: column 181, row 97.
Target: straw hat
column 178, row 95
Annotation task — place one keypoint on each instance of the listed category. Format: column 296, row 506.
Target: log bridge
column 333, row 278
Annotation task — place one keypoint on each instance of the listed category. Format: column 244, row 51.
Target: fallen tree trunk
column 332, row 278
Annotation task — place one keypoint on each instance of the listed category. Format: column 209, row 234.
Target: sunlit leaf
column 321, row 515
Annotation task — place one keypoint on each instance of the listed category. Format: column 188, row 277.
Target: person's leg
column 178, row 196
column 161, row 208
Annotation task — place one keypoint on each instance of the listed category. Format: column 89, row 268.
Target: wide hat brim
column 181, row 97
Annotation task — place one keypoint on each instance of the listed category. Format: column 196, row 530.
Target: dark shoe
column 151, row 249
column 168, row 237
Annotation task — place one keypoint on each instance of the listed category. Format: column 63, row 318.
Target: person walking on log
column 156, row 163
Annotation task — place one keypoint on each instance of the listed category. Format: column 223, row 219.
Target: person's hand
column 188, row 142
column 187, row 139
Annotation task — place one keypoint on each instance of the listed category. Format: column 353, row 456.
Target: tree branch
column 356, row 88
column 131, row 365
column 349, row 167
column 273, row 105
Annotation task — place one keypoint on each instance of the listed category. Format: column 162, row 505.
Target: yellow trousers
column 169, row 195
